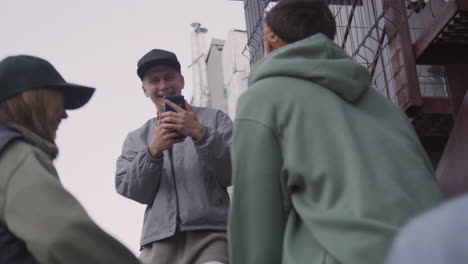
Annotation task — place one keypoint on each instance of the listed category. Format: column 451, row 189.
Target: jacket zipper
column 175, row 189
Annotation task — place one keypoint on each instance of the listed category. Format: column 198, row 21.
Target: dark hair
column 294, row 20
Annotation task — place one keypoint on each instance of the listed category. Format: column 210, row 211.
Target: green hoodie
column 326, row 170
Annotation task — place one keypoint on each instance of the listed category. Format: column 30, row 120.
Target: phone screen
column 176, row 99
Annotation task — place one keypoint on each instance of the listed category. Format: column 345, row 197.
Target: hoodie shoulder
column 316, row 59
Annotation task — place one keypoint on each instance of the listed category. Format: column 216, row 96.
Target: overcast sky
column 98, row 43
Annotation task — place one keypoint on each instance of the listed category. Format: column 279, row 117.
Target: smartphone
column 178, row 100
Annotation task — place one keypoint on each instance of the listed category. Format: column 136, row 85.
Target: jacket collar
column 48, row 147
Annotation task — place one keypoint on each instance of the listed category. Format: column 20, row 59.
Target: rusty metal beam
column 344, row 2
column 452, row 171
column 403, row 59
column 441, row 54
column 463, row 5
column 447, row 14
column 433, row 105
column 457, row 75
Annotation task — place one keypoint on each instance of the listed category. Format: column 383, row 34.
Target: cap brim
column 75, row 95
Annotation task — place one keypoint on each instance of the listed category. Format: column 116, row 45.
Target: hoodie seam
column 261, row 123
column 286, row 207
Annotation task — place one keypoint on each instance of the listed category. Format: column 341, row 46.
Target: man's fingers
column 169, row 130
column 172, row 138
column 165, row 115
column 172, row 126
column 171, row 135
column 177, row 108
column 188, row 107
column 164, row 130
column 169, row 119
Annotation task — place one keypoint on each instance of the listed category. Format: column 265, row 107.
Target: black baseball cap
column 23, row 72
column 157, row 57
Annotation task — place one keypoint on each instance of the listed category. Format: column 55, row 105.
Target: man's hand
column 163, row 139
column 184, row 121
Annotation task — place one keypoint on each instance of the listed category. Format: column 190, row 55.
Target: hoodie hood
column 318, row 60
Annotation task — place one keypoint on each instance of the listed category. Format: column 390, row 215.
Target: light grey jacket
column 438, row 236
column 195, row 194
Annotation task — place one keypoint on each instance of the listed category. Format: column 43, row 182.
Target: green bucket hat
column 21, row 73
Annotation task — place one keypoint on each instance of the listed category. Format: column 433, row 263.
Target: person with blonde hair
column 40, row 221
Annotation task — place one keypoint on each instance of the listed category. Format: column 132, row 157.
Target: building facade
column 220, row 71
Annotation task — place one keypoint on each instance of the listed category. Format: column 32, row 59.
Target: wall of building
column 236, row 68
column 220, row 72
column 201, row 93
column 214, row 65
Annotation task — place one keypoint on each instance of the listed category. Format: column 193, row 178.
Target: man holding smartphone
column 178, row 164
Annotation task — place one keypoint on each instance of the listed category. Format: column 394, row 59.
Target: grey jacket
column 439, row 236
column 194, row 195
